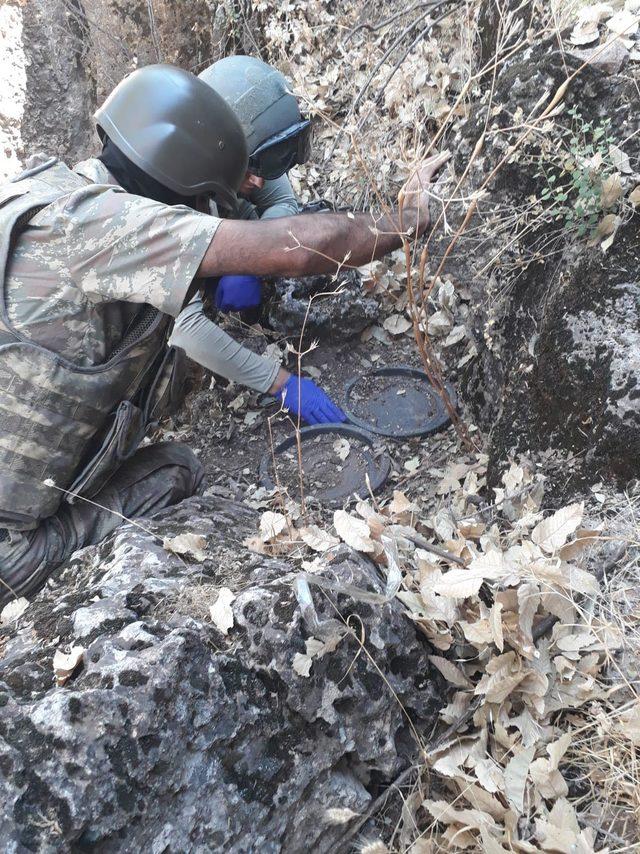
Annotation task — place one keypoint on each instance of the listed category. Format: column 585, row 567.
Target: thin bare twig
column 385, row 56
column 428, row 547
column 406, row 53
column 398, row 41
column 154, row 31
column 374, row 28
column 377, row 804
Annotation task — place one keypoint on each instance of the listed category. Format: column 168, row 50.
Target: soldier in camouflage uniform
column 278, row 137
column 96, row 262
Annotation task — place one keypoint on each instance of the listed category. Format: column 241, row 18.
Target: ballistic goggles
column 280, row 152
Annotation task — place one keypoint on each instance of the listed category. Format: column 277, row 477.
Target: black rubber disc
column 398, row 402
column 327, row 477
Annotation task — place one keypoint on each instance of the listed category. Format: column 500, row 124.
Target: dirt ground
column 227, row 425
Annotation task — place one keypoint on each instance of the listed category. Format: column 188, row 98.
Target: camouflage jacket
column 91, row 277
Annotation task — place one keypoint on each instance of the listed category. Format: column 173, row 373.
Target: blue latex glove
column 303, row 397
column 237, row 293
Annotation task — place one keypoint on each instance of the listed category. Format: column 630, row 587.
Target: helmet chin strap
column 135, row 181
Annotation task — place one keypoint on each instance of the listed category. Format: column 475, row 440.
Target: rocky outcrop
column 554, row 316
column 128, row 34
column 174, row 737
column 579, row 388
column 49, row 96
column 59, row 59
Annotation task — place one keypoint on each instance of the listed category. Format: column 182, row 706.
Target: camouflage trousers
column 156, row 477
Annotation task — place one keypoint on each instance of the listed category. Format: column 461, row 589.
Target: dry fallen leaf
column 342, row 447
column 317, row 539
column 397, row 324
column 440, row 323
column 478, row 633
column 624, row 23
column 584, row 32
column 442, row 811
column 495, row 623
column 528, row 601
column 272, row 525
column 193, row 545
column 515, row 777
column 239, row 401
column 452, row 477
column 490, row 775
column 628, row 724
column 490, row 846
column 251, row 417
column 221, row 611
column 450, row 672
column 568, row 577
column 65, row 663
column 401, row 504
column 606, row 231
column 449, row 760
column 552, row 533
column 611, row 191
column 503, row 674
column 12, row 610
column 620, row 159
column 461, row 583
column 302, row 664
column 585, row 538
column 413, row 464
column 354, row 532
column 548, row 781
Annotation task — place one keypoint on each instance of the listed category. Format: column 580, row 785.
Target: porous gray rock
column 175, row 737
column 554, row 317
column 342, row 311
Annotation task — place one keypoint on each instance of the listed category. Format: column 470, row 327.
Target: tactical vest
column 60, row 422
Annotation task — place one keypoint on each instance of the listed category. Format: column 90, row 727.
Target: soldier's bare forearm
column 307, row 244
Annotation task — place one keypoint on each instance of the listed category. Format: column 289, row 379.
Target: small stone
column 343, row 313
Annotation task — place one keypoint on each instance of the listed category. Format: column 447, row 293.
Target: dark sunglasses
column 280, row 152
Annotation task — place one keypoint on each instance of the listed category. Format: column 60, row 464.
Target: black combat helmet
column 178, row 130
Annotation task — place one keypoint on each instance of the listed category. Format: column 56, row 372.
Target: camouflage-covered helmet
column 178, row 130
column 277, row 134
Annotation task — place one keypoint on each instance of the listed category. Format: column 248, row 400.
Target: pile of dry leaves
column 530, row 648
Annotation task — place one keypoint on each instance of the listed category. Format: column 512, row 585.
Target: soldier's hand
column 303, row 397
column 414, row 196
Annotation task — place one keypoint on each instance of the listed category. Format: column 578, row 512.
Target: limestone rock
column 48, row 97
column 59, row 59
column 554, row 319
column 175, row 737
